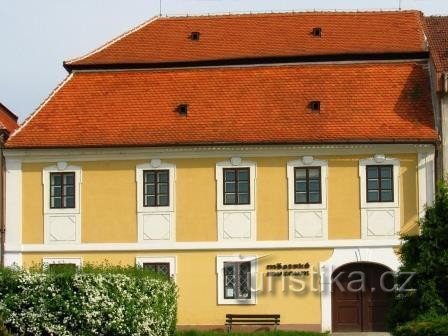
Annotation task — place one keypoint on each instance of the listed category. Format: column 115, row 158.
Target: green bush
column 104, row 300
column 432, row 327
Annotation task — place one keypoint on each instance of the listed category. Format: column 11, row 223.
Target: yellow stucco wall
column 197, row 281
column 109, row 199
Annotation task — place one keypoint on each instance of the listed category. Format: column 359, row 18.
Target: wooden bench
column 253, row 319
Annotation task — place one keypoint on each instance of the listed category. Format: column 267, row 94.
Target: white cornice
column 201, row 246
column 100, row 154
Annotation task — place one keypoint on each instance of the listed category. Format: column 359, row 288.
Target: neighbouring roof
column 437, row 33
column 230, row 37
column 8, row 120
column 383, row 102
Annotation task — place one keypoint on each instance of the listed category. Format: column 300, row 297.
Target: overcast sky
column 36, row 36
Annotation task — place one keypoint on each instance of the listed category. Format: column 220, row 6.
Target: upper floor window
column 156, row 188
column 380, row 183
column 236, row 186
column 62, row 190
column 307, row 185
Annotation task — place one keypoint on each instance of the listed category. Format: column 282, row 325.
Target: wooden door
column 359, row 302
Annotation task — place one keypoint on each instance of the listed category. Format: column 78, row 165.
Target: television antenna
column 399, row 4
column 160, row 7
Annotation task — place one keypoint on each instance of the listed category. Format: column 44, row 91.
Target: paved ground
column 362, row 334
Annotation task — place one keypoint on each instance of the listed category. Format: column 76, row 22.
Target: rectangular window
column 156, row 186
column 237, row 280
column 158, row 267
column 380, row 183
column 307, row 185
column 63, row 267
column 236, row 186
column 62, row 190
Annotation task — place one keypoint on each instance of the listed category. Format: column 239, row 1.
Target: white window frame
column 307, row 161
column 62, row 167
column 222, row 209
column 379, row 160
column 172, row 260
column 220, row 260
column 156, row 164
column 61, row 261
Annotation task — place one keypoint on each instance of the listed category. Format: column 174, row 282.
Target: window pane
column 300, row 173
column 244, row 283
column 150, row 200
column 150, row 189
column 314, row 185
column 314, row 173
column 56, row 179
column 386, row 196
column 314, row 197
column 229, row 280
column 386, row 184
column 372, row 172
column 163, row 177
column 372, row 184
column 300, row 197
column 373, row 196
column 69, row 179
column 243, row 198
column 163, row 188
column 162, row 200
column 229, row 175
column 243, row 187
column 386, row 172
column 150, row 177
column 69, row 190
column 229, row 187
column 62, row 267
column 56, row 202
column 164, row 269
column 149, row 267
column 69, row 202
column 301, row 186
column 55, row 191
column 243, row 175
column 230, row 198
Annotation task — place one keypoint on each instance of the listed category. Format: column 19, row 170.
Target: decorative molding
column 142, row 153
column 307, row 221
column 62, row 226
column 220, row 260
column 172, row 260
column 380, row 220
column 341, row 256
column 201, row 245
column 236, row 222
column 156, row 223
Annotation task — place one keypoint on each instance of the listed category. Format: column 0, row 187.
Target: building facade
column 252, row 173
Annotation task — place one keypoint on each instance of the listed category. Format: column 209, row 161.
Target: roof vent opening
column 314, row 106
column 182, row 109
column 317, row 32
column 194, row 36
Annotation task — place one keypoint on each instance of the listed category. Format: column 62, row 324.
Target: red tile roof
column 236, row 105
column 437, row 33
column 8, row 120
column 263, row 35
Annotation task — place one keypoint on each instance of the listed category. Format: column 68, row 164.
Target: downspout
column 3, row 137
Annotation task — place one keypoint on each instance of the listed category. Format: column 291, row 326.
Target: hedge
column 431, row 327
column 101, row 300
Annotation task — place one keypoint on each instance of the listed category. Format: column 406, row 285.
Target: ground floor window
column 58, row 264
column 162, row 268
column 236, row 279
column 165, row 266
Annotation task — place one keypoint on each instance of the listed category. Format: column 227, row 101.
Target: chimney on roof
column 182, row 109
column 314, row 106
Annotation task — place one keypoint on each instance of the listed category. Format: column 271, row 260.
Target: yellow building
column 252, row 180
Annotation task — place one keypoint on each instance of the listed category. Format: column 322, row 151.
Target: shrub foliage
column 426, row 255
column 102, row 300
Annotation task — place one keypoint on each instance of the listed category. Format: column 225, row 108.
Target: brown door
column 359, row 302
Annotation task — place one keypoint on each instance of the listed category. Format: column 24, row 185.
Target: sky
column 36, row 36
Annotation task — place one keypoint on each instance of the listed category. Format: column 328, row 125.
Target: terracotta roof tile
column 236, row 105
column 8, row 120
column 263, row 35
column 437, row 33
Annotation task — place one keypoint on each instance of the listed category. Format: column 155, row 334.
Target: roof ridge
column 110, row 42
column 287, row 13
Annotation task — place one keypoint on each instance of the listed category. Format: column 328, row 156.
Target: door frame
column 384, row 256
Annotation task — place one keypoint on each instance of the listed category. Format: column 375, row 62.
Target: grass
column 259, row 333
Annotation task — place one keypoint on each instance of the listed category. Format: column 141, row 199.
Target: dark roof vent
column 317, row 32
column 182, row 109
column 314, row 106
column 194, row 36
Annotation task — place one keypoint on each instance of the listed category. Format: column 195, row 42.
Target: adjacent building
column 253, row 158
